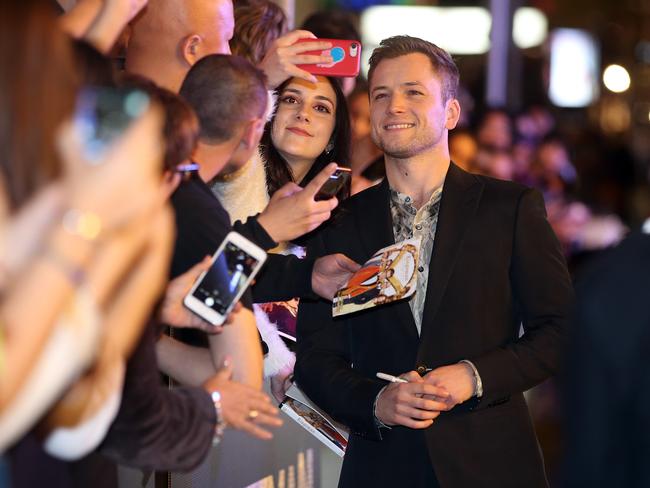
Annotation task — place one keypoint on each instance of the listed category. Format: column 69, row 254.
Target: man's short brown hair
column 441, row 62
column 224, row 91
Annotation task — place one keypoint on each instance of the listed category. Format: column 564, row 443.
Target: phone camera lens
column 353, row 45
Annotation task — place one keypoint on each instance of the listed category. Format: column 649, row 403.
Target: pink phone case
column 346, row 54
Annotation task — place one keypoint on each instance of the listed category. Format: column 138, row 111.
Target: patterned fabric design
column 410, row 222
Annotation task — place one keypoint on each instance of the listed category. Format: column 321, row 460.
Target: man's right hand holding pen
column 411, row 403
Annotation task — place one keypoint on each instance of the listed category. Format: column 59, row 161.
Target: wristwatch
column 221, row 423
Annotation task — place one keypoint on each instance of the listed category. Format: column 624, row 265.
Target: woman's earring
column 329, row 147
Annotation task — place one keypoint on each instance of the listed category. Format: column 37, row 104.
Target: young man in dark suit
column 489, row 263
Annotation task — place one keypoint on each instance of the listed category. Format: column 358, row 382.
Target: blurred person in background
column 608, row 377
column 366, row 159
column 463, row 149
column 257, row 24
column 495, row 130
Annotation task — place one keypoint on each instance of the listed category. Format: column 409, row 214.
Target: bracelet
column 220, row 427
column 86, row 225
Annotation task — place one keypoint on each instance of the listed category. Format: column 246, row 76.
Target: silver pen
column 391, row 378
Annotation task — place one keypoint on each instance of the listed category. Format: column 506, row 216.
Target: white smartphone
column 218, row 289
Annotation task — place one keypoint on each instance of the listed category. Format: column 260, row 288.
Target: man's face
column 408, row 115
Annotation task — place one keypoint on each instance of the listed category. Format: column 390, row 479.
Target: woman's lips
column 299, row 131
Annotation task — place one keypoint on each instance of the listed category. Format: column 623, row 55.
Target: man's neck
column 417, row 177
column 212, row 159
column 156, row 67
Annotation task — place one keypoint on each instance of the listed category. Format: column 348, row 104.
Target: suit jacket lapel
column 460, row 198
column 375, row 224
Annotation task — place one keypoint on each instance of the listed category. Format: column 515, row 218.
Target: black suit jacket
column 609, row 389
column 496, row 264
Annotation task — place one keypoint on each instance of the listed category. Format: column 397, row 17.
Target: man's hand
column 415, row 404
column 331, row 273
column 457, row 379
column 292, row 210
column 281, row 59
column 175, row 314
column 243, row 407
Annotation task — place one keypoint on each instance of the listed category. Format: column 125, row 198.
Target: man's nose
column 396, row 104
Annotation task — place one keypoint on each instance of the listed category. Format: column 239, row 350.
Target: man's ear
column 190, row 49
column 253, row 132
column 452, row 113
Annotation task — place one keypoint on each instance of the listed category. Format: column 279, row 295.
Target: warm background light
column 616, row 78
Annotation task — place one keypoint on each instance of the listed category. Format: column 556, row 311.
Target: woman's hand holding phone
column 294, row 211
column 280, row 61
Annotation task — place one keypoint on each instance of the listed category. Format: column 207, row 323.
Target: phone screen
column 225, row 278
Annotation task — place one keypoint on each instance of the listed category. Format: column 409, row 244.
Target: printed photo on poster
column 389, row 275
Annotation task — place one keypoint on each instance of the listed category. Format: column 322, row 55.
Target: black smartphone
column 339, row 179
column 103, row 114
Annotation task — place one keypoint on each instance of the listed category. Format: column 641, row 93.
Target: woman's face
column 305, row 119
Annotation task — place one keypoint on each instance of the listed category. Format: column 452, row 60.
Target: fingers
column 413, row 424
column 319, row 180
column 293, row 36
column 416, row 413
column 346, row 263
column 286, row 190
column 412, row 377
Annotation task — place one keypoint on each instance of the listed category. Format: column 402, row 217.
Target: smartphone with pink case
column 346, row 54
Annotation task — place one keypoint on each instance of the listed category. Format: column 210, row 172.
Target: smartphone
column 346, row 54
column 103, row 114
column 218, row 289
column 334, row 183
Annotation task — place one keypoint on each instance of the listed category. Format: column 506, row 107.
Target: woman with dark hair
column 309, row 130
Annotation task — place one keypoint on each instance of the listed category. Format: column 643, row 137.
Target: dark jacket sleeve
column 283, row 277
column 544, row 296
column 324, row 369
column 158, row 428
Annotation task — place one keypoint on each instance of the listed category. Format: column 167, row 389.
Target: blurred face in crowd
column 408, row 113
column 305, row 120
column 496, row 131
column 359, row 115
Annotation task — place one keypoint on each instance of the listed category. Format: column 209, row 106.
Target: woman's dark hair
column 277, row 169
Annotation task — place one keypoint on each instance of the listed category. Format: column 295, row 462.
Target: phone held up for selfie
column 346, row 55
column 103, row 114
column 334, row 184
column 217, row 290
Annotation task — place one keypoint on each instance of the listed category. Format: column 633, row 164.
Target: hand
column 292, row 210
column 331, row 273
column 175, row 314
column 405, row 404
column 239, row 401
column 131, row 167
column 280, row 61
column 281, row 382
column 124, row 11
column 457, row 379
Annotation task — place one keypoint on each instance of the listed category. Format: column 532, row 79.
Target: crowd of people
column 109, row 220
